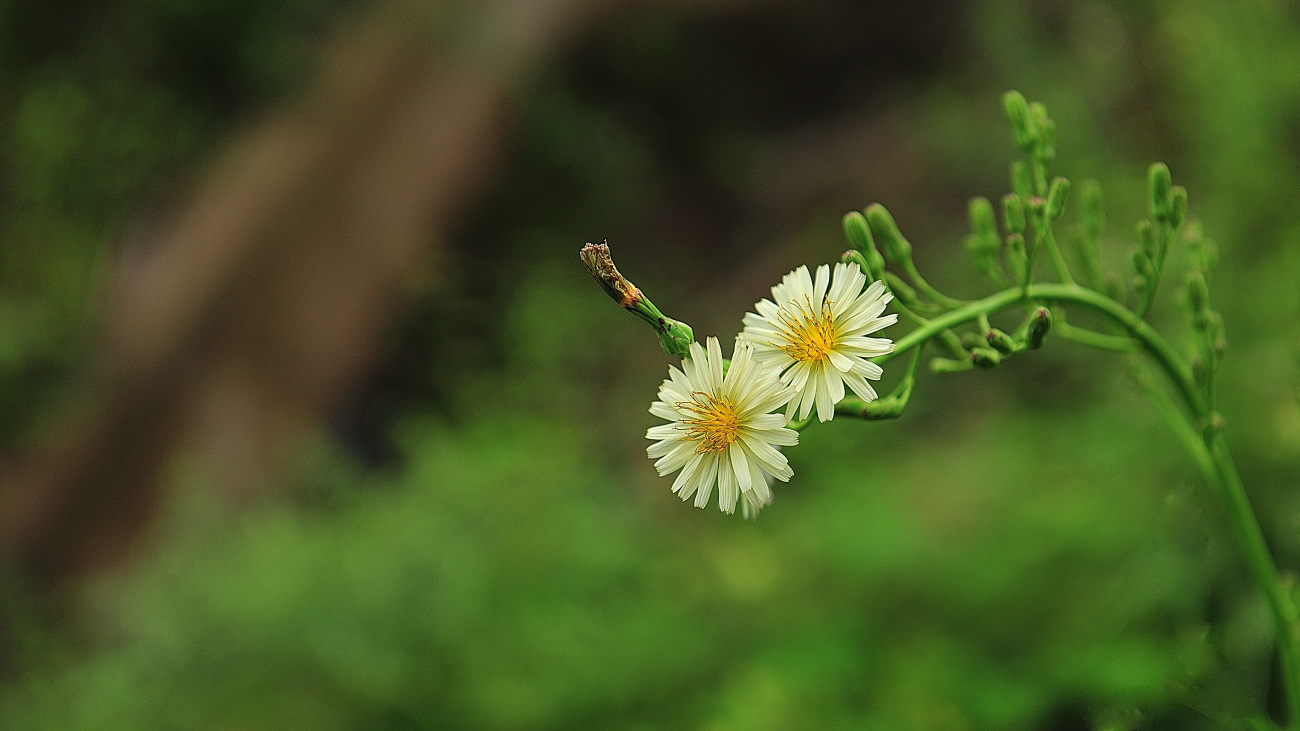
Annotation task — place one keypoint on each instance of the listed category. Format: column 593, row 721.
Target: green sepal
column 1013, row 213
column 1198, row 298
column 1177, row 206
column 676, row 338
column 897, row 248
column 1056, row 198
column 1040, row 323
column 1037, row 213
column 1158, row 185
column 1046, row 131
column 1022, row 122
column 1016, row 257
column 859, row 235
column 1000, row 341
column 1142, row 264
column 985, row 357
column 1022, row 182
column 855, row 257
column 1146, row 234
column 983, row 224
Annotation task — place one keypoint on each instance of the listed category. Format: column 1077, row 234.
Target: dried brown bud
column 601, row 266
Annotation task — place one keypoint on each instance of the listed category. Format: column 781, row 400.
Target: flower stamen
column 809, row 335
column 716, row 424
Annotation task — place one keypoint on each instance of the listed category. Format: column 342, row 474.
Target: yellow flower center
column 809, row 335
column 715, row 425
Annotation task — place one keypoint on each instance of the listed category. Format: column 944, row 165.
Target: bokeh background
column 311, row 418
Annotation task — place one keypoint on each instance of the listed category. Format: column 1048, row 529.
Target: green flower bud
column 855, row 257
column 1040, row 323
column 1022, row 183
column 1046, row 131
column 859, row 234
column 904, row 293
column 985, row 357
column 897, row 248
column 1016, row 257
column 1022, row 122
column 969, row 340
column 1000, row 341
column 1056, row 198
column 1142, row 264
column 1147, row 238
column 1013, row 213
column 982, row 223
column 984, row 259
column 676, row 338
column 1158, row 183
column 1198, row 292
column 1037, row 210
column 1177, row 206
column 1200, row 374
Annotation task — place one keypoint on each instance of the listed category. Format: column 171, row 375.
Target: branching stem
column 1209, row 449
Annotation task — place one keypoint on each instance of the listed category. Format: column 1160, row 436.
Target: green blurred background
column 460, row 529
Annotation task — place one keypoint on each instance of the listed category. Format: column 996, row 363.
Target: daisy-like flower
column 814, row 331
column 721, row 431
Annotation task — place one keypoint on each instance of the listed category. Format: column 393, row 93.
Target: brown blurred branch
column 271, row 289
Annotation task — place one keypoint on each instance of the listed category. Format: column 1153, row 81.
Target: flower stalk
column 811, row 340
column 675, row 337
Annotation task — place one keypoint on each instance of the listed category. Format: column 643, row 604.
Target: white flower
column 721, row 430
column 814, row 332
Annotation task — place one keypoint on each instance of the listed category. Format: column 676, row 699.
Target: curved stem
column 1095, row 339
column 918, row 281
column 1263, row 570
column 1150, row 340
column 1058, row 261
column 1241, row 516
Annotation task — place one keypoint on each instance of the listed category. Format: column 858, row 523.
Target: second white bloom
column 815, row 331
column 720, row 430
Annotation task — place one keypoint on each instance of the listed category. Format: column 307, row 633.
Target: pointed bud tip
column 1158, row 185
column 1039, row 325
column 882, row 224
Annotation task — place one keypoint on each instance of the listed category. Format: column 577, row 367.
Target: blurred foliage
column 102, row 106
column 1026, row 548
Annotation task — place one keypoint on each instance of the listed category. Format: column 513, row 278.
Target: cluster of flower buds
column 808, row 349
column 1209, row 339
column 1029, row 210
column 1168, row 211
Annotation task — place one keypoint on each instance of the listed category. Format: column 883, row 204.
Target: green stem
column 1186, row 433
column 889, row 407
column 1058, row 261
column 1095, row 339
column 918, row 281
column 1241, row 516
column 1263, row 570
column 1150, row 340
